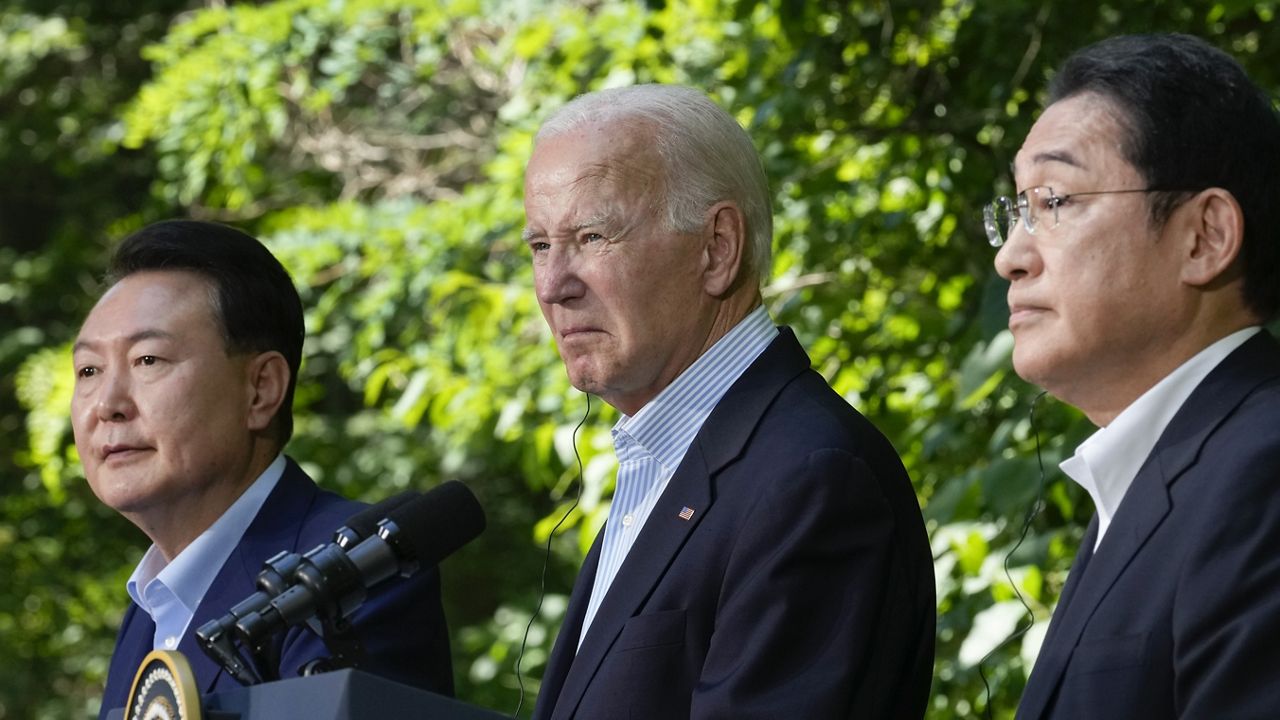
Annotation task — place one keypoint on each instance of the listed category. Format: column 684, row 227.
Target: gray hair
column 707, row 157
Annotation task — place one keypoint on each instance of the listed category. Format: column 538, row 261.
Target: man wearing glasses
column 1142, row 253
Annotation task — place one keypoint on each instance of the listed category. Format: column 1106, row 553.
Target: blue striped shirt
column 651, row 444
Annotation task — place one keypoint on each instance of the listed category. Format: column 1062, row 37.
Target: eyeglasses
column 1038, row 208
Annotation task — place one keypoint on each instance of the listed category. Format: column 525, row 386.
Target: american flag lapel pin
column 686, row 512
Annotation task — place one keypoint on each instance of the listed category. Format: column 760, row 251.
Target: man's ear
column 726, row 248
column 1216, row 222
column 268, row 377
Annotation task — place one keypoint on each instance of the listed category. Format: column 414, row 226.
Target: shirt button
column 171, row 642
column 627, row 520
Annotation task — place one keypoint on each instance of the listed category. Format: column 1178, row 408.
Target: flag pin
column 686, row 512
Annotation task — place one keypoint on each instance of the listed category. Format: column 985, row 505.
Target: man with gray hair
column 764, row 555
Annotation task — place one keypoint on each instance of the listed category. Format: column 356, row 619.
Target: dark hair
column 1192, row 119
column 254, row 298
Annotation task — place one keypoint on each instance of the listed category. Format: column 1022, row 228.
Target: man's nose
column 1019, row 256
column 115, row 397
column 557, row 278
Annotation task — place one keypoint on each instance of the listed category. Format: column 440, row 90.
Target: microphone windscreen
column 440, row 522
column 365, row 522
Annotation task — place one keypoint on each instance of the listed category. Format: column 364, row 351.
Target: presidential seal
column 164, row 689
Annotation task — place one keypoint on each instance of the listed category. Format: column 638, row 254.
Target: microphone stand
column 343, row 643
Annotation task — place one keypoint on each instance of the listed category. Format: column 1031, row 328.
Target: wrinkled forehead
column 1082, row 137
column 616, row 151
column 590, row 171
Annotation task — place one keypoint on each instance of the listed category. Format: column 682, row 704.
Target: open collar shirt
column 651, row 444
column 1106, row 464
column 171, row 592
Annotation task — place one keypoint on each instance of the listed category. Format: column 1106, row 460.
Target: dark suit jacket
column 801, row 587
column 1178, row 612
column 401, row 624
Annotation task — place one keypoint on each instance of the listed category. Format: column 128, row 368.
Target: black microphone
column 277, row 576
column 277, row 573
column 364, row 524
column 332, row 582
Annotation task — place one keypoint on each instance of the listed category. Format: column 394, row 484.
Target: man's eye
column 148, row 360
column 538, row 247
column 592, row 237
column 86, row 372
column 1053, row 202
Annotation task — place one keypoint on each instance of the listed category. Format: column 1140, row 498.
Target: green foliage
column 378, row 148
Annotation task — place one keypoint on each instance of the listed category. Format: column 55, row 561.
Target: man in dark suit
column 1142, row 258
column 185, row 373
column 764, row 555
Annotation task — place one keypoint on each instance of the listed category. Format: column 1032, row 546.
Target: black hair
column 1192, row 119
column 254, row 299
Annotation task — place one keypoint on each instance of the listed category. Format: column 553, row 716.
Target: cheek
column 545, row 309
column 82, row 417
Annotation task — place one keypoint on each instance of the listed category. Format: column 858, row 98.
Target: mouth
column 121, row 452
column 1022, row 313
column 578, row 331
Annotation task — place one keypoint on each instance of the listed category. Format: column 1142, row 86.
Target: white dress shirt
column 1106, row 464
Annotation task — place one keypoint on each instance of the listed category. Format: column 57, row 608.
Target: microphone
column 365, row 523
column 331, row 582
column 277, row 573
column 277, row 576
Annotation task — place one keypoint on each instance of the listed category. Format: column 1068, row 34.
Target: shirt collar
column 189, row 575
column 667, row 424
column 1106, row 464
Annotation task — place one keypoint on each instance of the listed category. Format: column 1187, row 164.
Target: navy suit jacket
column 801, row 587
column 401, row 624
column 1177, row 614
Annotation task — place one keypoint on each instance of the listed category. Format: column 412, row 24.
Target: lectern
column 339, row 695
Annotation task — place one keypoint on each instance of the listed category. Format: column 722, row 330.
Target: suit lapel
column 1078, row 566
column 227, row 589
column 1144, row 507
column 1088, row 585
column 720, row 440
column 275, row 528
column 136, row 638
column 566, row 645
column 661, row 539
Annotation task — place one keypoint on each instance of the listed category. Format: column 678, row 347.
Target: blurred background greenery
column 378, row 147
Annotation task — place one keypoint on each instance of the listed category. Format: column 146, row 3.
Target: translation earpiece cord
column 1032, row 512
column 546, row 561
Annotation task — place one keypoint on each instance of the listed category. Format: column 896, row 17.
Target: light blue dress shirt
column 651, row 444
column 171, row 592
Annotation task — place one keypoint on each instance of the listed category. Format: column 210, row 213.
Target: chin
column 584, row 375
column 122, row 494
column 586, row 385
column 1033, row 368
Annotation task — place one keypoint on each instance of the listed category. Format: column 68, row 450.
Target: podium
column 339, row 695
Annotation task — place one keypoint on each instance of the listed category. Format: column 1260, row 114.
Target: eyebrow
column 132, row 339
column 1059, row 156
column 1062, row 156
column 595, row 220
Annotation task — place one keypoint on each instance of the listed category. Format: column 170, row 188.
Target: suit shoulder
column 325, row 513
column 1239, row 461
column 1253, row 424
column 817, row 417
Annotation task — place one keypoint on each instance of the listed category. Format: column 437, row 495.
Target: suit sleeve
column 809, row 624
column 1227, row 616
column 402, row 628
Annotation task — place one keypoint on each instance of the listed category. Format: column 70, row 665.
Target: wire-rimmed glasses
column 1038, row 209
